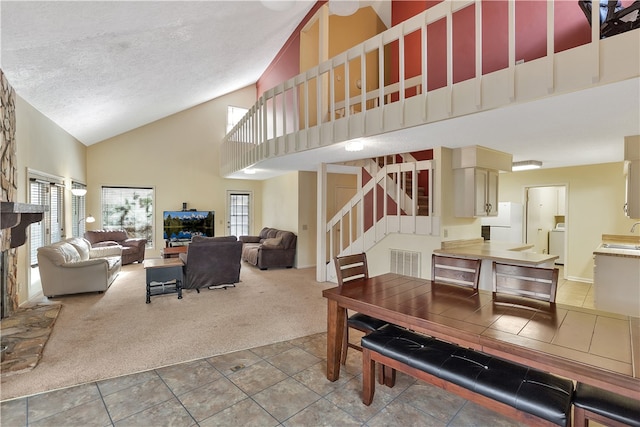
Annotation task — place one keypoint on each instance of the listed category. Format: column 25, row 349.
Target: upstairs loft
column 307, row 120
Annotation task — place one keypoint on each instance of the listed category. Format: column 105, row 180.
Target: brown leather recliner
column 212, row 262
column 132, row 247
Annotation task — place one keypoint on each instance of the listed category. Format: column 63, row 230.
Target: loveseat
column 72, row 266
column 212, row 262
column 132, row 247
column 271, row 248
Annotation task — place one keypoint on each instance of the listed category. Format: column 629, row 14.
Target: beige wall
column 595, row 196
column 307, row 223
column 285, row 206
column 178, row 157
column 43, row 146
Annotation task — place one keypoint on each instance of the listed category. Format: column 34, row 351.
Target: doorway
column 239, row 208
column 546, row 219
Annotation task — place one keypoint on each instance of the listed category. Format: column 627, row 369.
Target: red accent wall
column 570, row 26
column 571, row 30
column 286, row 64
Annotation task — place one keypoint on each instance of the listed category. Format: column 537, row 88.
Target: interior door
column 542, row 206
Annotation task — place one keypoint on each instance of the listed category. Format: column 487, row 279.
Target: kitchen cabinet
column 632, row 199
column 476, row 192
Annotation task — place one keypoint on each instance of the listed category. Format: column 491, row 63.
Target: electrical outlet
column 445, row 232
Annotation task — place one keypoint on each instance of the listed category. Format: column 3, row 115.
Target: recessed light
column 355, row 145
column 526, row 165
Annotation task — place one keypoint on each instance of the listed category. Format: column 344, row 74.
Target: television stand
column 173, row 251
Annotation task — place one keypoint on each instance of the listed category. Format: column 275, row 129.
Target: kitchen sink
column 621, row 246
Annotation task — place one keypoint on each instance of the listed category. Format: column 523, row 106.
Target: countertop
column 619, row 239
column 496, row 251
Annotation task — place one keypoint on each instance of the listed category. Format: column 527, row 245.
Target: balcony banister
column 283, row 116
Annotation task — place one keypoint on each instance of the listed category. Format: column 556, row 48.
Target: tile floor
column 282, row 384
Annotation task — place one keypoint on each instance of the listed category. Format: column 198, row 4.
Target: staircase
column 387, row 202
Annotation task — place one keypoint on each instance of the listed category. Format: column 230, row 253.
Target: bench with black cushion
column 525, row 394
column 611, row 409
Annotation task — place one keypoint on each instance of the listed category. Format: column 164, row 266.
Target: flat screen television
column 181, row 226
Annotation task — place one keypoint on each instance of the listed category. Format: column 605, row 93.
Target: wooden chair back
column 351, row 267
column 455, row 271
column 531, row 282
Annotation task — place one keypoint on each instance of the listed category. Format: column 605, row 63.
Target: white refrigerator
column 507, row 226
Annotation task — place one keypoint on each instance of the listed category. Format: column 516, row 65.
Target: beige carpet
column 100, row 336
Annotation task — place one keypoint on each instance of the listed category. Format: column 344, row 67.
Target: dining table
column 583, row 344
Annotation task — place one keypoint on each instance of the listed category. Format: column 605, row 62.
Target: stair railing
column 371, row 214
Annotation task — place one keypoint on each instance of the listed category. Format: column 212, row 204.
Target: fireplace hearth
column 14, row 219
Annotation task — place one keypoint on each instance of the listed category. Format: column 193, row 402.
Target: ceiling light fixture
column 278, row 5
column 343, row 7
column 355, row 145
column 78, row 191
column 250, row 171
column 526, row 165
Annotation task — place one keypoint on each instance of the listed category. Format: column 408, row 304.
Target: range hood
column 17, row 217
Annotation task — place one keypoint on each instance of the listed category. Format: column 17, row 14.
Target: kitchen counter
column 488, row 251
column 616, row 275
column 608, row 239
column 498, row 251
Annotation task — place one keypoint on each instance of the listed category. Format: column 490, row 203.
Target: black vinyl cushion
column 611, row 405
column 365, row 323
column 519, row 386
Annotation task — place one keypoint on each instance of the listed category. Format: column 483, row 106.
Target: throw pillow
column 273, row 243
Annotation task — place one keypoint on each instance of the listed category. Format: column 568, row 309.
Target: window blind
column 130, row 209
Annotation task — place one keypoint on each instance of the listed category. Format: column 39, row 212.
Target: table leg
column 336, row 318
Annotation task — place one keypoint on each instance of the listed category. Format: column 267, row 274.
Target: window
column 78, row 216
column 130, row 209
column 234, row 115
column 239, row 208
column 48, row 191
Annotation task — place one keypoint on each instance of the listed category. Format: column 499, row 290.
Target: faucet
column 633, row 227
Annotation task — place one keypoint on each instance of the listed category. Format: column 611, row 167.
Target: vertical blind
column 78, row 209
column 51, row 228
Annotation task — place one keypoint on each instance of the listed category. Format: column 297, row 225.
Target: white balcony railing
column 316, row 109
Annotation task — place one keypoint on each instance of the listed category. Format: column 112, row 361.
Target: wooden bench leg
column 389, row 375
column 579, row 417
column 368, row 377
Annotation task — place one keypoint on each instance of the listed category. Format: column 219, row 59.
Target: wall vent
column 405, row 262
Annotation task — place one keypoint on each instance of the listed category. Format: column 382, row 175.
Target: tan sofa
column 132, row 247
column 72, row 266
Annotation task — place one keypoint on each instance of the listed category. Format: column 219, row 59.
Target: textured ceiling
column 98, row 69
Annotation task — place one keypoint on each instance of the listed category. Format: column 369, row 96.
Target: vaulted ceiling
column 101, row 68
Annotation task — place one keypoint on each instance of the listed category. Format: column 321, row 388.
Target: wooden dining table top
column 595, row 347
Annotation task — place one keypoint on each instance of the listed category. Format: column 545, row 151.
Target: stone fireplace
column 14, row 217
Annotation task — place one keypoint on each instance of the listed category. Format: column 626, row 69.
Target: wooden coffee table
column 164, row 276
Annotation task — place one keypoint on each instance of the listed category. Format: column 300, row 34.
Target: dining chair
column 538, row 283
column 348, row 269
column 455, row 271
